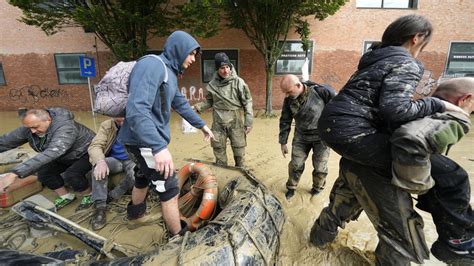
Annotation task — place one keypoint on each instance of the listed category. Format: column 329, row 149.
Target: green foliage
column 124, row 26
column 266, row 22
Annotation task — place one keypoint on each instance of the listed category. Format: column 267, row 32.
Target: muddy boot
column 220, row 162
column 239, row 161
column 315, row 191
column 289, row 194
column 319, row 182
column 99, row 217
column 136, row 211
column 455, row 251
column 182, row 232
column 319, row 236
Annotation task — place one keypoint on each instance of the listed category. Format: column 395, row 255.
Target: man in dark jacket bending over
column 61, row 144
column 304, row 103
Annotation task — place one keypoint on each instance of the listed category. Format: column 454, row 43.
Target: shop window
column 208, row 67
column 293, row 57
column 68, row 69
column 460, row 61
column 387, row 4
column 2, row 76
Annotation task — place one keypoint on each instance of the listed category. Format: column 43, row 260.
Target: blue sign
column 87, row 66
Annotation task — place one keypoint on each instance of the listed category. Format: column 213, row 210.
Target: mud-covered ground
column 354, row 245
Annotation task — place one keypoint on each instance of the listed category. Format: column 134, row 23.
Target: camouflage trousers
column 299, row 153
column 390, row 209
column 235, row 132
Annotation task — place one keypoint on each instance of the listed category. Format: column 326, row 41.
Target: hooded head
column 177, row 47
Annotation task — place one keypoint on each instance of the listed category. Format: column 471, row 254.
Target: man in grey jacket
column 61, row 144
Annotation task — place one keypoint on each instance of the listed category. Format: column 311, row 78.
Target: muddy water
column 354, row 245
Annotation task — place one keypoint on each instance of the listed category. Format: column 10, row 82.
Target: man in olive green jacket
column 228, row 94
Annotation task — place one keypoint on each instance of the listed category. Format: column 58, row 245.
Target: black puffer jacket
column 377, row 98
column 66, row 141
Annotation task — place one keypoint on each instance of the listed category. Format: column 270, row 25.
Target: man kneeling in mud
column 419, row 168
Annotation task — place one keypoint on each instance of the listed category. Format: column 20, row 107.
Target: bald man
column 304, row 103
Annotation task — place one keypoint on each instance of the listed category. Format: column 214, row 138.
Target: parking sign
column 87, row 66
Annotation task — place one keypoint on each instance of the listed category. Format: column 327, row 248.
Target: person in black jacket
column 358, row 123
column 304, row 102
column 61, row 144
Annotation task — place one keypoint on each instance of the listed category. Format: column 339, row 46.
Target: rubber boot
column 319, row 237
column 99, row 217
column 239, row 161
column 136, row 211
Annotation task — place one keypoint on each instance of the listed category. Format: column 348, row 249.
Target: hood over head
column 177, row 47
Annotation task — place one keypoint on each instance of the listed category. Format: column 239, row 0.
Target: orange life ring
column 206, row 185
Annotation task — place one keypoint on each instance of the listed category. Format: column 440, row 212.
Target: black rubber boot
column 99, row 217
column 320, row 237
column 451, row 256
column 136, row 211
column 184, row 228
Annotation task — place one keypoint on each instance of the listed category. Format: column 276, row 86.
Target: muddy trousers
column 390, row 209
column 100, row 187
column 300, row 150
column 236, row 133
column 449, row 200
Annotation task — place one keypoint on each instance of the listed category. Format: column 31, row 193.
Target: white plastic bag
column 187, row 128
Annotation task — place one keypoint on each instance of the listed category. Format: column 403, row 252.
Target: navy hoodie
column 150, row 99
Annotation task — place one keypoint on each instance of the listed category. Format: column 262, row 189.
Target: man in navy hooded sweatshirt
column 153, row 91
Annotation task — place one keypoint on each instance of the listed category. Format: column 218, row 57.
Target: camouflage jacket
column 305, row 110
column 226, row 96
column 414, row 142
column 377, row 98
column 64, row 141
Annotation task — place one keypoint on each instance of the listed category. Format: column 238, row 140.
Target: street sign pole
column 92, row 103
column 88, row 70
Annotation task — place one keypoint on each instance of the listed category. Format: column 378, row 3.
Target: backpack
column 111, row 94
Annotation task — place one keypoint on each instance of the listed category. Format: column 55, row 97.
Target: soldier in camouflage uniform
column 358, row 123
column 304, row 103
column 228, row 94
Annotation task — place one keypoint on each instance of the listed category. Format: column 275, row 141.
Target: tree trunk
column 268, row 92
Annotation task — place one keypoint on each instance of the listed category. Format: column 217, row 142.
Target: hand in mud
column 247, row 130
column 101, row 170
column 284, row 150
column 453, row 108
column 164, row 163
column 6, row 180
column 208, row 135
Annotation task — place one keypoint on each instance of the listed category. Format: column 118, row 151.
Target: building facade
column 37, row 70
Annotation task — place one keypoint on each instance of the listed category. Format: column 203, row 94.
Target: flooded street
column 353, row 246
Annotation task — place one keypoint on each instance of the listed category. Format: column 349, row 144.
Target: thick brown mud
column 353, row 246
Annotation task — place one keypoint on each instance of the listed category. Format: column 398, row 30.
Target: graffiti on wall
column 193, row 94
column 34, row 93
